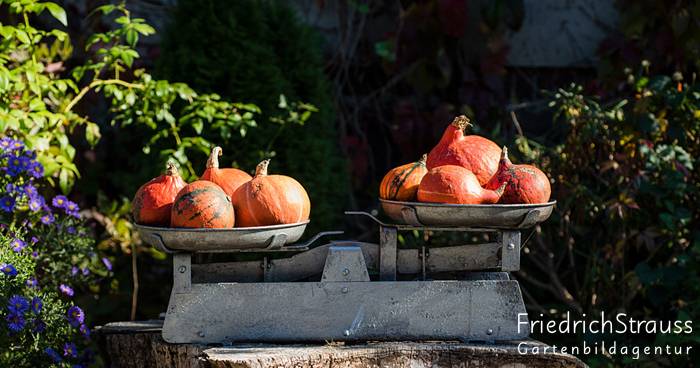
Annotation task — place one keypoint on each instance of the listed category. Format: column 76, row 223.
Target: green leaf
column 130, row 98
column 144, row 29
column 106, row 9
column 22, row 36
column 642, row 82
column 7, row 31
column 58, row 12
column 65, row 180
column 131, row 37
column 283, row 102
column 123, row 20
column 385, row 50
column 92, row 133
column 36, row 105
column 50, row 165
column 198, row 125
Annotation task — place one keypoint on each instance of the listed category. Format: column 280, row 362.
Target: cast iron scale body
column 270, row 298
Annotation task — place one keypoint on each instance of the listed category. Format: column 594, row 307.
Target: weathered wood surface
column 139, row 344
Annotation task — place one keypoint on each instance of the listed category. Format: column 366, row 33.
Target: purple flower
column 107, row 263
column 16, row 145
column 11, row 188
column 47, row 219
column 36, row 170
column 36, row 305
column 17, row 304
column 85, row 330
column 18, row 244
column 30, row 190
column 66, row 290
column 85, row 271
column 15, row 322
column 7, row 203
column 17, row 164
column 75, row 316
column 74, row 271
column 32, row 283
column 53, row 355
column 71, row 207
column 69, row 350
column 34, row 239
column 8, row 269
column 36, row 202
column 6, row 143
column 35, row 254
column 59, row 201
column 39, row 325
column 70, row 230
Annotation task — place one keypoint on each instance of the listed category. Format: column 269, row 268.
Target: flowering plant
column 45, row 255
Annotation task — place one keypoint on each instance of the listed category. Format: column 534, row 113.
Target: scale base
column 477, row 310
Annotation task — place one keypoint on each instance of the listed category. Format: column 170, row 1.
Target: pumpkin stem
column 499, row 191
column 171, row 169
column 423, row 159
column 461, row 122
column 213, row 161
column 493, row 196
column 261, row 169
column 504, row 153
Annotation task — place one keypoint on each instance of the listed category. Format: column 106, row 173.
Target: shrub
column 259, row 49
column 46, row 257
column 625, row 234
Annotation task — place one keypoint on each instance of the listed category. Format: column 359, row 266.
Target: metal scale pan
column 496, row 216
column 270, row 238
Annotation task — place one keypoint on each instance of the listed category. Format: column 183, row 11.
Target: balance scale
column 354, row 293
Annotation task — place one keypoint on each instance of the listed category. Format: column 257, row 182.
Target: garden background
column 602, row 95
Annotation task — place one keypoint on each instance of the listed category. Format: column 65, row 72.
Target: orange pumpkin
column 202, row 204
column 456, row 185
column 524, row 183
column 152, row 202
column 270, row 200
column 228, row 179
column 473, row 152
column 401, row 183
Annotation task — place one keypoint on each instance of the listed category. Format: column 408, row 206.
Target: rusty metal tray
column 269, row 238
column 496, row 216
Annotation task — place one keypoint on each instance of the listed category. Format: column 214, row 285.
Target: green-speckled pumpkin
column 202, row 204
column 401, row 183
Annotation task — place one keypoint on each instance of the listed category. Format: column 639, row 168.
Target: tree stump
column 139, row 344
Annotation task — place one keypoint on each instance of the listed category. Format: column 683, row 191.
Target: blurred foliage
column 260, row 49
column 665, row 32
column 625, row 234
